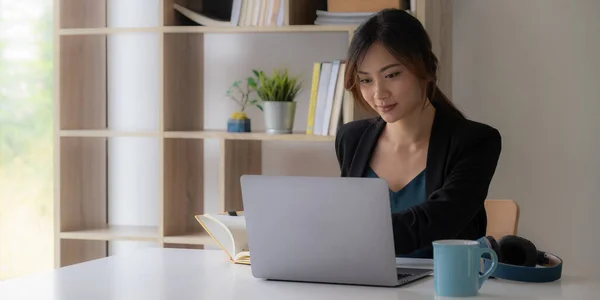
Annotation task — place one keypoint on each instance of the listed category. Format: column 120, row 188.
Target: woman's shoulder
column 458, row 133
column 349, row 136
column 357, row 127
column 351, row 132
column 467, row 132
column 461, row 130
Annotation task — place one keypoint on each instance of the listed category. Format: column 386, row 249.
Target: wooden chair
column 503, row 217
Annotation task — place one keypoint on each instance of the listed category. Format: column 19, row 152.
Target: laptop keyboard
column 403, row 275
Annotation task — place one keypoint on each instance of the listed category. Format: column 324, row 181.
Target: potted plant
column 240, row 92
column 278, row 92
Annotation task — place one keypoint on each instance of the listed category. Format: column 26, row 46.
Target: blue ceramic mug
column 456, row 266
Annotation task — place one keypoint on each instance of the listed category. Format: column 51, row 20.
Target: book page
column 236, row 226
column 242, row 258
column 237, row 229
column 219, row 233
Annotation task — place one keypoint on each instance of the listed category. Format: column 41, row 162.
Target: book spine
column 310, row 124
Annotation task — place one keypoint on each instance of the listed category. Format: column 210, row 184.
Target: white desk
column 207, row 274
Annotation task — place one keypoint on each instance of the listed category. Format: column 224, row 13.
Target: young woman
column 438, row 164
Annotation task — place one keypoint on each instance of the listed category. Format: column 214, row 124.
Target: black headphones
column 520, row 260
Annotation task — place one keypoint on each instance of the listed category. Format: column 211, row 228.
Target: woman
column 438, row 164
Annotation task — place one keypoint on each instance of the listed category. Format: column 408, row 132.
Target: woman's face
column 390, row 88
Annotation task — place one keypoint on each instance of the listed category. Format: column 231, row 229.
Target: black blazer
column 461, row 162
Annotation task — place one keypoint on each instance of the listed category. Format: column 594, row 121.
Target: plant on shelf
column 278, row 93
column 240, row 92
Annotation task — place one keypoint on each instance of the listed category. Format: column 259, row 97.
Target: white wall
column 531, row 69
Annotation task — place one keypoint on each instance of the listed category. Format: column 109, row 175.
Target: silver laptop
column 322, row 229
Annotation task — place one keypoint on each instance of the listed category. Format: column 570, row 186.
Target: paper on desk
column 414, row 263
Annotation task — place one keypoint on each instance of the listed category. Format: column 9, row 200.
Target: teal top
column 410, row 195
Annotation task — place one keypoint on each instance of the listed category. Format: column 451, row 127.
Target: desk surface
column 160, row 274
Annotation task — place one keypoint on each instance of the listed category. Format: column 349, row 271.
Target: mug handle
column 483, row 277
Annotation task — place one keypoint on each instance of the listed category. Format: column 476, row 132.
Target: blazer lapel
column 365, row 147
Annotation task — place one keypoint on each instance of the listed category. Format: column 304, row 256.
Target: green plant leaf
column 279, row 86
column 251, row 82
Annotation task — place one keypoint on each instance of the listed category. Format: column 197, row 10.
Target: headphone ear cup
column 496, row 247
column 518, row 251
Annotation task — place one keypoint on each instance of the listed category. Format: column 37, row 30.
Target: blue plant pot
column 238, row 125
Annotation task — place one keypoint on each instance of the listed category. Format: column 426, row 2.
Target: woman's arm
column 451, row 208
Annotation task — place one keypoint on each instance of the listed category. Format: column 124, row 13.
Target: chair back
column 502, row 217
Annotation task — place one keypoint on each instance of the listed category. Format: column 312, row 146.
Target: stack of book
column 355, row 12
column 328, row 98
column 237, row 13
column 341, row 18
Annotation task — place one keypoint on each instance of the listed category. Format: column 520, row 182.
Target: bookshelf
column 83, row 135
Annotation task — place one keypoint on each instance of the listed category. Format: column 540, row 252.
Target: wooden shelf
column 83, row 184
column 82, row 101
column 81, row 13
column 112, row 233
column 77, row 251
column 200, row 238
column 204, row 134
column 183, row 185
column 264, row 29
column 107, row 30
column 84, row 148
column 256, row 136
column 107, row 133
column 207, row 29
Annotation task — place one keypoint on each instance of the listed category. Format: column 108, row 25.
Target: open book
column 229, row 233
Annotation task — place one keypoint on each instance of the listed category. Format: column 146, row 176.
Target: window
column 26, row 137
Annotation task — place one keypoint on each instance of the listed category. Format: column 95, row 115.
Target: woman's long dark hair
column 404, row 37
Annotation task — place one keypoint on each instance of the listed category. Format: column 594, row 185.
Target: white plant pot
column 279, row 116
